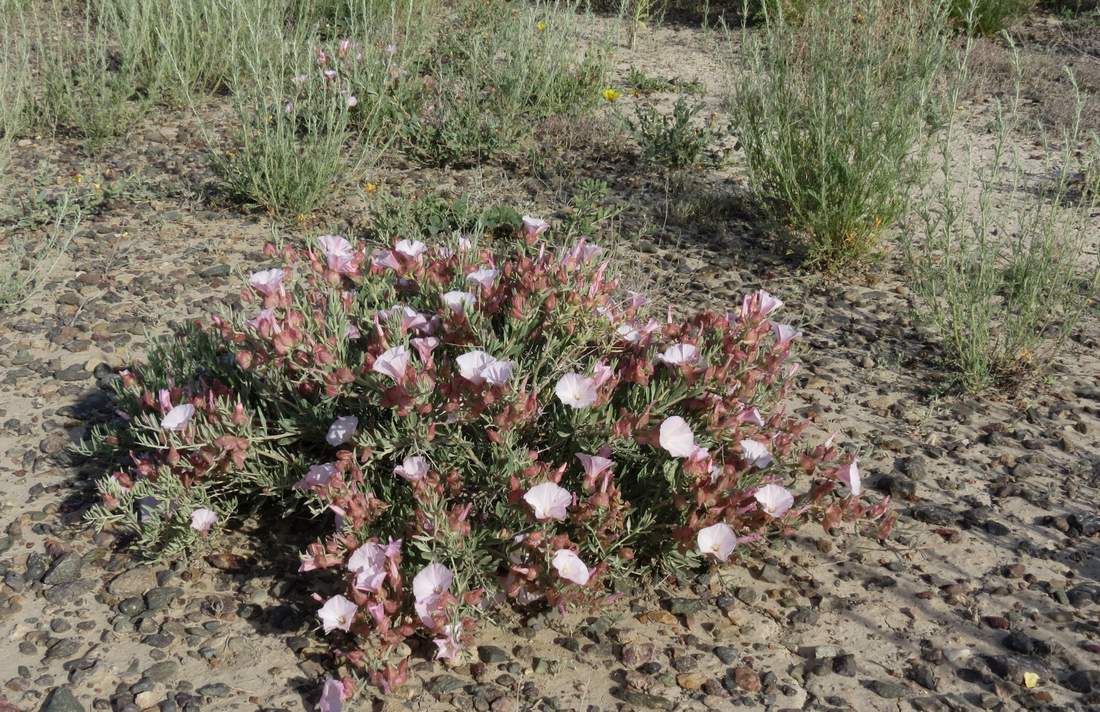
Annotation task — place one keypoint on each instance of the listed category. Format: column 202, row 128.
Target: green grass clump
column 1004, row 266
column 828, row 110
column 987, row 17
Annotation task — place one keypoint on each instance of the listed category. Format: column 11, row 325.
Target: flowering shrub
column 484, row 420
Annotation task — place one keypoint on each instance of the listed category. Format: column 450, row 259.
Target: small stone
column 845, row 665
column 492, row 654
column 726, row 653
column 747, row 679
column 159, row 672
column 1083, row 681
column 685, row 606
column 65, row 569
column 635, row 654
column 925, row 676
column 133, row 582
column 691, row 680
column 887, row 689
column 62, row 700
column 217, row 689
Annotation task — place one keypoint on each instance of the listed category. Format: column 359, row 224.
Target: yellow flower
column 1030, row 680
column 541, row 27
column 371, row 187
column 300, row 217
column 611, row 94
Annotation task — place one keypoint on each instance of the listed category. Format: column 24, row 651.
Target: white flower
column 341, row 430
column 774, row 500
column 432, row 580
column 849, row 475
column 483, row 277
column 575, row 390
column 718, row 540
column 756, row 453
column 477, row 367
column 338, row 612
column 548, row 501
column 570, row 567
column 178, row 417
column 676, row 437
column 679, row 354
column 413, row 468
column 267, row 282
column 393, row 363
column 368, row 562
column 203, row 519
column 410, row 248
column 458, row 301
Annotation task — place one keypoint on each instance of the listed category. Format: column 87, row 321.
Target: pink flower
column 267, row 282
column 533, row 227
column 332, row 696
column 756, row 453
column 265, row 321
column 478, row 367
column 594, row 465
column 752, row 415
column 203, row 519
column 602, row 373
column 548, row 501
column 317, row 476
column 393, row 363
column 785, row 333
column 448, row 646
column 432, row 581
column 637, row 299
column 368, row 563
column 575, row 390
column 337, row 613
column 633, row 333
column 338, row 252
column 483, row 277
column 424, row 346
column 718, row 540
column 759, row 303
column 178, row 417
column 410, row 248
column 679, row 354
column 385, row 258
column 352, row 101
column 676, row 437
column 412, row 468
column 849, row 475
column 774, row 500
column 341, row 430
column 570, row 567
column 459, row 301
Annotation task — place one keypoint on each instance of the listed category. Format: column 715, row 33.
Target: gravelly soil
column 992, row 572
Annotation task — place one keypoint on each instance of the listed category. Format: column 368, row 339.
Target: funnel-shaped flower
column 679, row 355
column 317, row 476
column 570, row 567
column 413, row 468
column 432, row 581
column 341, row 430
column 267, row 282
column 774, row 500
column 849, row 475
column 203, row 519
column 332, row 696
column 717, row 540
column 483, row 277
column 676, row 437
column 575, row 390
column 410, row 248
column 458, row 301
column 337, row 613
column 393, row 363
column 178, row 417
column 368, row 563
column 756, row 453
column 548, row 501
column 338, row 252
column 533, row 227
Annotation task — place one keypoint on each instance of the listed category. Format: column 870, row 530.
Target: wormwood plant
column 987, row 17
column 469, row 418
column 828, row 112
column 27, row 260
column 673, row 141
column 1005, row 286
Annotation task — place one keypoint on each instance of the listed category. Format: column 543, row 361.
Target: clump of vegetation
column 828, row 113
column 473, row 417
column 1006, row 288
column 674, row 141
column 987, row 17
